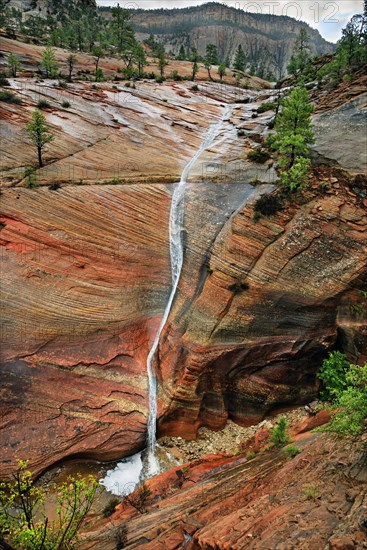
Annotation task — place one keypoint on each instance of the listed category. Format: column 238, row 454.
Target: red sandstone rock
column 77, row 319
column 345, row 542
column 249, row 505
column 241, row 353
column 320, row 419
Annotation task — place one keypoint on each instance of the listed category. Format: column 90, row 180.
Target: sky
column 327, row 16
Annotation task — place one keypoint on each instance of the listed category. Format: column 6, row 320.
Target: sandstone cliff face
column 267, row 40
column 265, row 315
column 86, row 273
column 84, row 279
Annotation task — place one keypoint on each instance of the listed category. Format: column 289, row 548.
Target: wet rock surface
column 87, row 273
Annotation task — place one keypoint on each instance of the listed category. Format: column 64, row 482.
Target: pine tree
column 293, row 136
column 211, row 58
column 38, row 133
column 48, row 61
column 97, row 52
column 195, row 63
column 14, row 64
column 162, row 60
column 182, row 54
column 301, row 57
column 123, row 34
column 354, row 41
column 221, row 71
column 240, row 59
column 71, row 60
column 140, row 58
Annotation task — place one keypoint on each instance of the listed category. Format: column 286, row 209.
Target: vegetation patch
column 9, row 97
column 43, row 104
column 258, row 155
column 292, row 450
column 239, row 287
column 4, row 81
column 109, row 509
column 23, row 519
column 279, row 434
column 268, row 205
column 266, row 106
column 345, row 388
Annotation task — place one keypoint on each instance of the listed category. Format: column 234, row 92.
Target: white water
column 123, row 479
column 176, row 252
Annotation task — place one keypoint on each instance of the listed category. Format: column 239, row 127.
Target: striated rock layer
column 276, row 295
column 315, row 501
column 84, row 280
column 86, row 273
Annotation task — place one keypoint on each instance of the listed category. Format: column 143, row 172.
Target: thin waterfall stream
column 176, row 255
column 123, row 479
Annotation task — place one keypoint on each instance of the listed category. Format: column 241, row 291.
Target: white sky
column 327, row 16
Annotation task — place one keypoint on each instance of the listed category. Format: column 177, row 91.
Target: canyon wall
column 86, row 271
column 275, row 296
column 267, row 40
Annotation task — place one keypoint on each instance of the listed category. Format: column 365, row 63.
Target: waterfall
column 176, row 254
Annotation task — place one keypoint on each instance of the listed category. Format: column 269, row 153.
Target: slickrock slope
column 315, row 501
column 85, row 274
column 85, row 269
column 107, row 134
column 341, row 135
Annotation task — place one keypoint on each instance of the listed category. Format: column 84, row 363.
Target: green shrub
column 4, row 81
column 99, row 77
column 334, row 376
column 279, row 434
column 268, row 205
column 9, row 97
column 295, row 178
column 109, row 509
column 54, row 186
column 345, row 385
column 65, row 104
column 23, row 518
column 239, row 287
column 175, row 76
column 311, row 492
column 292, row 450
column 267, row 106
column 256, row 217
column 43, row 104
column 160, row 79
column 258, row 155
column 30, row 177
column 195, row 88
